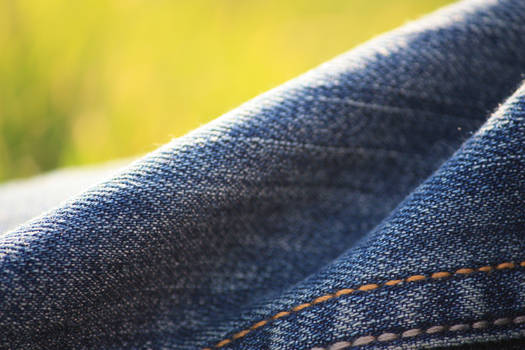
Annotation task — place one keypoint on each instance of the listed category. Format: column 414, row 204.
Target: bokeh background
column 88, row 81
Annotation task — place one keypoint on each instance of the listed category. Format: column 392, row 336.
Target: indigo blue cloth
column 376, row 202
column 21, row 200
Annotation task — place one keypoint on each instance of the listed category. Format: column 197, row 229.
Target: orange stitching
column 416, row 278
column 322, row 299
column 258, row 324
column 280, row 314
column 302, row 306
column 506, row 265
column 437, row 275
column 223, row 343
column 393, row 282
column 240, row 334
column 368, row 287
column 343, row 292
column 365, row 288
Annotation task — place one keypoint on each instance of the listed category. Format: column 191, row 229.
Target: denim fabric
column 375, row 202
column 21, row 200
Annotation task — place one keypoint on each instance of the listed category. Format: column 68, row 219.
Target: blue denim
column 376, row 202
column 21, row 200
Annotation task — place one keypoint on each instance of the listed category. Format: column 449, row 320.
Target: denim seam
column 414, row 332
column 364, row 288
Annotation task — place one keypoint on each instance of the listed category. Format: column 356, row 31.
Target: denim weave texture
column 380, row 193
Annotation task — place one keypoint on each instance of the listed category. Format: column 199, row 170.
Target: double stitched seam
column 414, row 332
column 365, row 288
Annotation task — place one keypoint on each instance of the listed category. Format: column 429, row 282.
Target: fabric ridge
column 375, row 202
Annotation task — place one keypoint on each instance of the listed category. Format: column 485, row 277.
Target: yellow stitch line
column 302, row 306
column 322, row 299
column 344, row 292
column 258, row 324
column 223, row 343
column 441, row 274
column 240, row 334
column 280, row 314
column 364, row 288
column 506, row 265
column 416, row 278
column 393, row 282
column 368, row 287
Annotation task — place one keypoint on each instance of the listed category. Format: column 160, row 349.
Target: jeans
column 375, row 202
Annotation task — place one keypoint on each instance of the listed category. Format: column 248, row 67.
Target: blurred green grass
column 83, row 82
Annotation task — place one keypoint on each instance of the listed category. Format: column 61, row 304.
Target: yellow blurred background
column 87, row 81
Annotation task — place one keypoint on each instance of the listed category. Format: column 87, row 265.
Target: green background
column 87, row 81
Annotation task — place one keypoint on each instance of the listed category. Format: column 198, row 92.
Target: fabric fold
column 311, row 216
column 446, row 268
